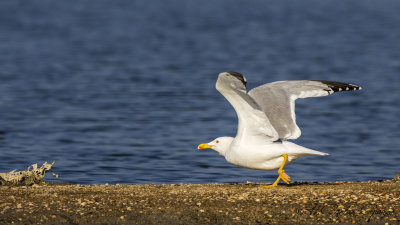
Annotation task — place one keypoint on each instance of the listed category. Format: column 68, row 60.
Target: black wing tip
column 239, row 76
column 340, row 86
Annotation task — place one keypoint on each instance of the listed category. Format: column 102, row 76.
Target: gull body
column 263, row 156
column 266, row 120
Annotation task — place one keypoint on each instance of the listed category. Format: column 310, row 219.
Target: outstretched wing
column 253, row 123
column 277, row 101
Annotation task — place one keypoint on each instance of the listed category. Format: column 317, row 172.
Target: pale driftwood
column 33, row 175
column 397, row 177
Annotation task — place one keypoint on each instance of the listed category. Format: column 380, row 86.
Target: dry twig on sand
column 33, row 175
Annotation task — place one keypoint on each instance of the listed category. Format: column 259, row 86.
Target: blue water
column 124, row 91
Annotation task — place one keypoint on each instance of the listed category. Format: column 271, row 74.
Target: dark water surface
column 123, row 91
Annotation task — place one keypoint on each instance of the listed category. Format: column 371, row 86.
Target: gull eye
column 217, row 142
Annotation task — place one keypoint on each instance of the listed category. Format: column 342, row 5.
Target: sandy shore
column 304, row 203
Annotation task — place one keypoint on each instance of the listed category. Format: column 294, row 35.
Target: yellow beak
column 204, row 145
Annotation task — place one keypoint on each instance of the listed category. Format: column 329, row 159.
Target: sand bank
column 340, row 202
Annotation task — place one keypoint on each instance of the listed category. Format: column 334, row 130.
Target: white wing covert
column 253, row 124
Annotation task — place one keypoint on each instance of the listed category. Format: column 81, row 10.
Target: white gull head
column 220, row 145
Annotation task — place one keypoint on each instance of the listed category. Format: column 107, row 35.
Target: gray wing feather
column 277, row 101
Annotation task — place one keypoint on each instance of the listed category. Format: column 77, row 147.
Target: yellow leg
column 282, row 174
